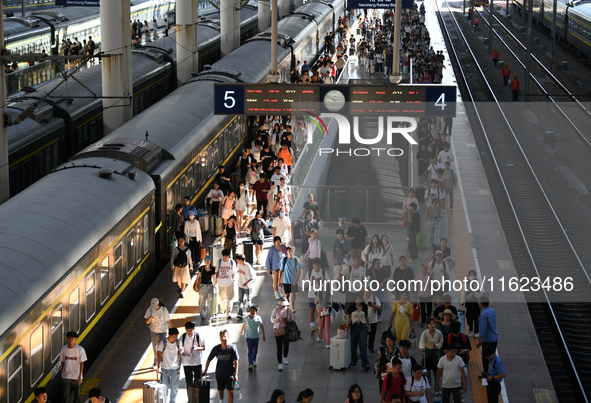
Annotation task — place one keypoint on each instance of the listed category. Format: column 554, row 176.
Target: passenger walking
column 290, row 269
column 373, row 250
column 417, row 388
column 166, row 27
column 169, row 362
column 406, row 206
column 487, row 323
column 309, row 225
column 192, row 346
column 226, row 270
column 341, row 250
column 228, row 204
column 401, row 317
column 384, row 358
column 253, row 325
column 261, row 190
column 355, row 395
column 357, row 234
column 215, row 196
column 274, row 256
column 229, row 234
column 178, row 222
column 515, row 84
column 246, row 277
column 158, row 320
column 451, row 378
column 193, row 234
column 311, row 205
column 40, row 395
column 472, row 309
column 496, row 373
column 280, row 316
column 394, row 383
column 226, row 370
column 241, row 205
column 433, row 215
column 314, row 281
column 206, row 278
column 374, row 306
column 282, row 227
column 358, row 322
column 414, row 219
column 188, row 208
column 424, row 295
column 430, row 343
column 451, row 182
column 95, row 396
column 72, row 358
column 506, row 72
column 181, row 263
column 255, row 229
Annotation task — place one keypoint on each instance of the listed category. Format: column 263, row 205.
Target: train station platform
column 477, row 242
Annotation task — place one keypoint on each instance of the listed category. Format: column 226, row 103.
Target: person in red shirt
column 495, row 56
column 476, row 21
column 506, row 73
column 261, row 190
column 393, row 382
column 515, row 84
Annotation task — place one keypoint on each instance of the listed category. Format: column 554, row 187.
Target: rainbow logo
column 317, row 120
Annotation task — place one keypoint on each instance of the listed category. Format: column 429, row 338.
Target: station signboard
column 357, row 4
column 78, row 3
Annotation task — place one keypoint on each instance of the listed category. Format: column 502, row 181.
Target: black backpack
column 181, row 259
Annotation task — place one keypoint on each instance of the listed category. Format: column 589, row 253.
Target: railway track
column 539, row 244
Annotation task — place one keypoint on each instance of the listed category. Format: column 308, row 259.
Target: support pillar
column 396, row 75
column 236, row 25
column 186, row 48
column 226, row 26
column 4, row 168
column 195, row 27
column 273, row 76
column 283, row 8
column 116, row 69
column 264, row 14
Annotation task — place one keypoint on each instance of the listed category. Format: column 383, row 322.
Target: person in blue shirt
column 253, row 326
column 276, row 253
column 188, row 208
column 289, row 273
column 487, row 324
column 496, row 373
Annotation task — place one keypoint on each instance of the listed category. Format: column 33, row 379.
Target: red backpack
column 464, row 339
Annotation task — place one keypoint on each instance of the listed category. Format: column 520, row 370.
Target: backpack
column 92, row 45
column 464, row 340
column 292, row 333
column 177, row 342
column 181, row 259
column 432, row 265
column 184, row 336
column 413, row 381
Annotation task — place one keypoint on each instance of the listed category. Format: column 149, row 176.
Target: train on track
column 80, row 246
column 70, row 118
column 573, row 20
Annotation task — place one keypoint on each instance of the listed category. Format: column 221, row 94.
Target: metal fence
column 31, row 76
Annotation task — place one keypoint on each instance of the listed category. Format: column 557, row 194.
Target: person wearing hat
column 445, row 305
column 205, row 279
column 495, row 375
column 280, row 316
column 446, row 318
column 181, row 263
column 158, row 320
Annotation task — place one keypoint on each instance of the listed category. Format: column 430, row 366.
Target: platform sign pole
column 464, row 8
column 4, row 176
column 554, row 5
column 490, row 27
column 396, row 76
column 528, row 54
column 507, row 9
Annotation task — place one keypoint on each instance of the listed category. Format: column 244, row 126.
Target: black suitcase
column 420, row 194
column 199, row 392
column 249, row 251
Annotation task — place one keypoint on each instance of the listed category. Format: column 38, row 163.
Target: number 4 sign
column 441, row 100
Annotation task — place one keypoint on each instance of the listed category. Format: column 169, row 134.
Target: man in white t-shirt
column 246, row 277
column 282, row 228
column 373, row 307
column 451, row 378
column 445, row 155
column 192, row 346
column 169, row 362
column 225, row 282
column 72, row 358
column 158, row 320
column 357, row 272
column 417, row 386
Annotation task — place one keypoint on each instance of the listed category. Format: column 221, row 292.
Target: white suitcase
column 204, row 223
column 340, row 353
column 216, row 253
column 155, row 392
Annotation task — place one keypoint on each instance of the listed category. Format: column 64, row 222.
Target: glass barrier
column 31, row 76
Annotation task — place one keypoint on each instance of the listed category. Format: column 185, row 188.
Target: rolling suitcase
column 216, row 225
column 420, row 194
column 249, row 251
column 199, row 392
column 216, row 253
column 422, row 240
column 372, row 69
column 296, row 228
column 203, row 220
column 154, row 392
column 340, row 353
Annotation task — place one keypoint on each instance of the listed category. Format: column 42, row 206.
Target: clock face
column 334, row 100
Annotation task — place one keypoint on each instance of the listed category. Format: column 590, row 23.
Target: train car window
column 169, row 201
column 57, row 332
column 74, row 310
column 27, row 174
column 138, row 250
column 184, row 186
column 119, row 273
column 130, row 252
column 48, row 165
column 15, row 377
column 36, row 361
column 93, row 132
column 14, row 181
column 104, row 279
column 190, row 176
column 90, row 297
column 213, row 157
column 146, row 233
column 56, row 155
column 38, row 166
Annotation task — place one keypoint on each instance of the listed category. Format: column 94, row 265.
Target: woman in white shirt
column 193, row 234
column 314, row 245
column 373, row 250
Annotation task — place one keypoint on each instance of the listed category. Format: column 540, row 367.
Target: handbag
column 404, row 223
column 342, row 332
column 197, row 283
column 416, row 312
column 279, row 332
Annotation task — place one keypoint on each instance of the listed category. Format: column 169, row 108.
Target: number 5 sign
column 229, row 99
column 441, row 100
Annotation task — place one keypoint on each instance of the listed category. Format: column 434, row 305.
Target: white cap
column 154, row 302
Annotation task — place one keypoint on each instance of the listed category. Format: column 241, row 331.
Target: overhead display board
column 378, row 4
column 382, row 99
column 78, row 3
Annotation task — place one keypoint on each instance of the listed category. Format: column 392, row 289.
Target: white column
column 185, row 40
column 195, row 19
column 236, row 30
column 264, row 14
column 396, row 75
column 4, row 173
column 116, row 69
column 226, row 26
column 283, row 6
